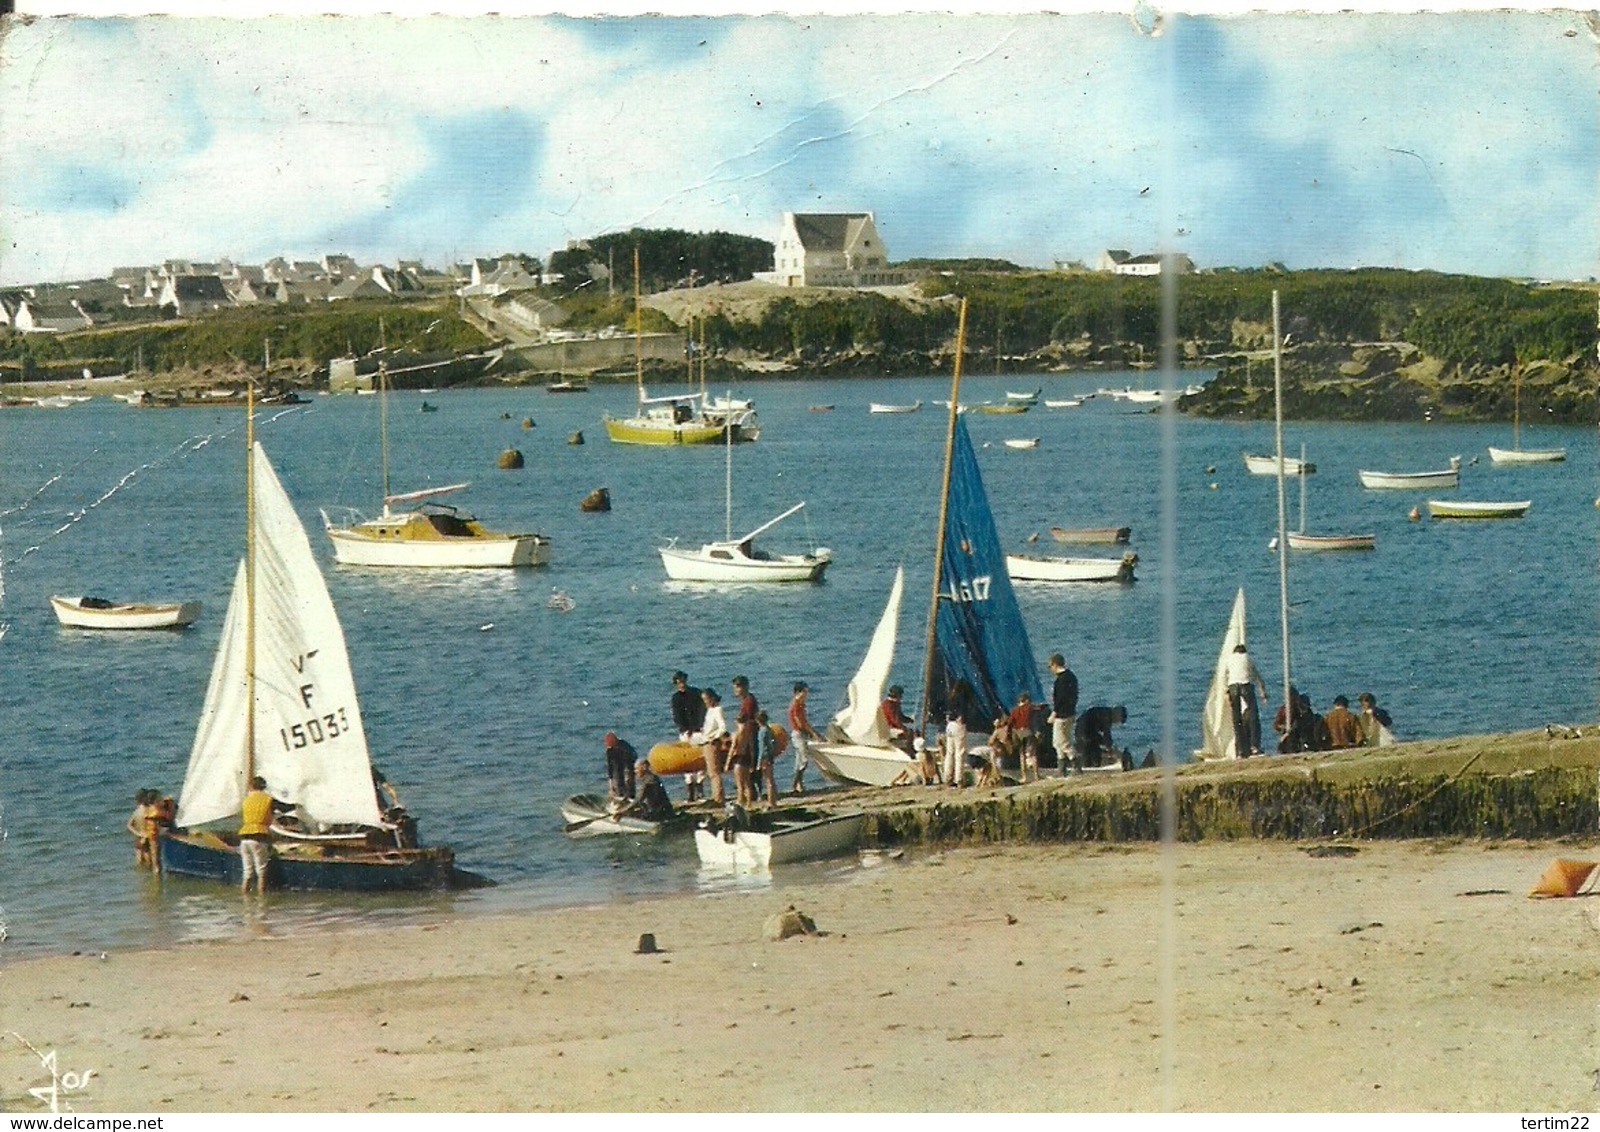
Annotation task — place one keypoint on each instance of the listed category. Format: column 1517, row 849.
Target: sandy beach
column 1407, row 976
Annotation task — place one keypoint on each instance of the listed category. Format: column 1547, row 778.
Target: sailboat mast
column 249, row 582
column 638, row 332
column 383, row 413
column 1516, row 407
column 944, row 508
column 1283, row 510
column 1302, row 489
column 727, row 478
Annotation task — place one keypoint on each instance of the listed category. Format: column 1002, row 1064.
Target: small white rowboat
column 1038, row 568
column 1463, row 509
column 1090, row 534
column 1400, row 481
column 590, row 814
column 879, row 407
column 1515, row 457
column 783, row 840
column 98, row 613
column 1300, row 541
column 1268, row 466
column 1022, row 442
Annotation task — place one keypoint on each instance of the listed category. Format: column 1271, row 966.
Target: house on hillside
column 1120, row 262
column 301, row 291
column 501, row 276
column 527, row 311
column 185, row 295
column 338, row 265
column 831, row 249
column 10, row 303
column 34, row 316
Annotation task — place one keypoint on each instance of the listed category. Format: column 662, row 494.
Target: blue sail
column 982, row 659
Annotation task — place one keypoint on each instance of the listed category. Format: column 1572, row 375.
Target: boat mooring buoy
column 1416, row 514
column 575, row 438
column 509, row 459
column 597, row 500
column 527, row 422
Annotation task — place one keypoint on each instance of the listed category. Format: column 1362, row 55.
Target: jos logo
column 68, row 1082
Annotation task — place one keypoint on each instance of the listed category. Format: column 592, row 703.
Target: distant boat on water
column 1091, row 534
column 1475, row 509
column 1400, row 481
column 880, row 407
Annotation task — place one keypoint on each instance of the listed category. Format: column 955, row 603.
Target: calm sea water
column 486, row 707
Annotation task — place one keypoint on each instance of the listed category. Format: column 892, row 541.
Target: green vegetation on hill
column 668, row 258
column 302, row 339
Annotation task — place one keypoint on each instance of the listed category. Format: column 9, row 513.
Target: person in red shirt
column 801, row 735
column 742, row 760
column 895, row 717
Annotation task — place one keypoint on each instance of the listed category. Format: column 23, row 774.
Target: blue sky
column 1458, row 142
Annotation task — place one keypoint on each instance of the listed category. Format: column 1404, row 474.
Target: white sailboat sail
column 1216, row 718
column 860, row 718
column 310, row 744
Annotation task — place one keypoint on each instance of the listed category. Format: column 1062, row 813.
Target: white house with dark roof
column 49, row 317
column 831, row 249
column 194, row 294
column 1120, row 262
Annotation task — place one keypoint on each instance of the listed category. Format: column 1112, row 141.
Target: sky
column 1462, row 142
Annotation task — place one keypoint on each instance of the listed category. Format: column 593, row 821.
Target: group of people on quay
column 749, row 748
column 1298, row 724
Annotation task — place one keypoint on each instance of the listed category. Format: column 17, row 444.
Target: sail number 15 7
column 317, row 729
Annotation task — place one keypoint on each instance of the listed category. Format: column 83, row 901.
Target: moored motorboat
column 1042, row 568
column 1400, row 481
column 99, row 613
column 1477, row 509
column 1091, row 534
column 758, row 841
column 435, row 535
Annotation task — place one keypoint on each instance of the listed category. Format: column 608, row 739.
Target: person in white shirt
column 713, row 739
column 1243, row 680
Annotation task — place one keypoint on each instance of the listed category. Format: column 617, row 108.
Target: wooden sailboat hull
column 1515, row 457
column 854, row 764
column 312, row 868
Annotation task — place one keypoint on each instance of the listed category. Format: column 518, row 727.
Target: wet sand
column 1409, row 976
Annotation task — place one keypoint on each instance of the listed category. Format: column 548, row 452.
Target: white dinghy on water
column 98, row 613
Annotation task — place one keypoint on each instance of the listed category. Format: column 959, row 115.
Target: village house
column 528, row 312
column 493, row 277
column 185, row 295
column 1120, row 262
column 831, row 249
column 10, row 303
column 57, row 316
